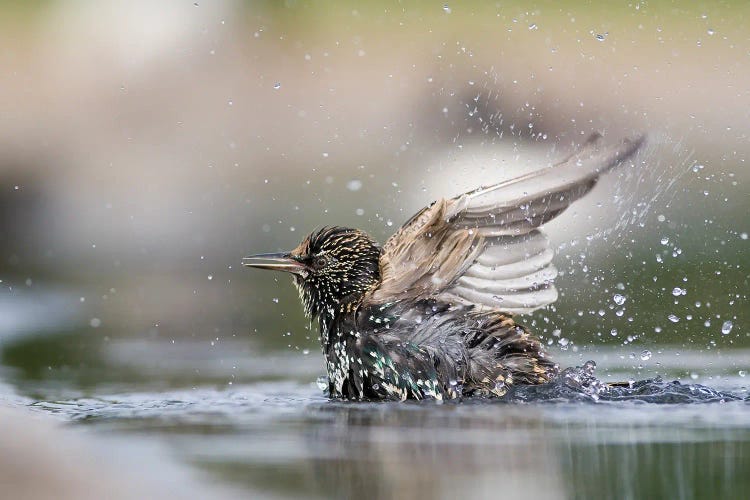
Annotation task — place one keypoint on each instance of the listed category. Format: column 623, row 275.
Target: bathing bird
column 431, row 314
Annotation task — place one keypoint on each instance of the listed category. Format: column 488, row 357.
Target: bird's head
column 333, row 268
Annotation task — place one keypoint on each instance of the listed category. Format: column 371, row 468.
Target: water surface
column 285, row 439
column 236, row 414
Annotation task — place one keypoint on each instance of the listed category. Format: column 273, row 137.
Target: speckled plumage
column 429, row 316
column 429, row 350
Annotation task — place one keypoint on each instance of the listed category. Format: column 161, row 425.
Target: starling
column 430, row 314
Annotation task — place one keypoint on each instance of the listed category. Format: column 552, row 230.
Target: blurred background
column 146, row 147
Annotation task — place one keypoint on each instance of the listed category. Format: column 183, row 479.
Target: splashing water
column 580, row 384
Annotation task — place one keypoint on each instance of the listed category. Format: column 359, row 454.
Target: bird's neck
column 335, row 319
column 335, row 325
column 338, row 338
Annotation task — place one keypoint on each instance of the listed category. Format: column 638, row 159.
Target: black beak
column 275, row 262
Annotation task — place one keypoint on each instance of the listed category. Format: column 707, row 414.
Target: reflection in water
column 429, row 453
column 713, row 464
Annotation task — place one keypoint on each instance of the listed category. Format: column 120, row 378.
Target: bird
column 431, row 314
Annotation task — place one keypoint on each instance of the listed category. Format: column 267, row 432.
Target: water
column 235, row 414
column 286, row 439
column 574, row 437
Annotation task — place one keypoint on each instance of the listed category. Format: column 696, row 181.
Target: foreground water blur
column 243, row 417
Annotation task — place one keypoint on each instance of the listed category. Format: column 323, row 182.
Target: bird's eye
column 320, row 261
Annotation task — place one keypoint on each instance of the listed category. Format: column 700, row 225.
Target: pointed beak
column 274, row 262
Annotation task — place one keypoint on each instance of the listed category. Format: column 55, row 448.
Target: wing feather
column 483, row 247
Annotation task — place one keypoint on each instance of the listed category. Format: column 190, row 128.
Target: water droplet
column 95, row 322
column 446, row 9
column 726, row 327
column 613, row 332
column 354, row 185
column 305, row 351
column 619, row 299
column 697, row 168
column 661, row 218
column 389, row 222
column 710, row 32
column 673, row 318
column 277, row 85
column 600, row 37
column 210, row 277
column 275, row 300
column 742, row 373
column 677, row 291
column 533, row 26
column 664, row 241
column 693, row 375
column 645, row 355
column 743, row 236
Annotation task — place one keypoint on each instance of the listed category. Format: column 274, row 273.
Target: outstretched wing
column 483, row 247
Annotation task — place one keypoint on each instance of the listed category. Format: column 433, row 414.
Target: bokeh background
column 146, row 147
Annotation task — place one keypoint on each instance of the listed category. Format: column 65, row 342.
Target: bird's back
column 431, row 349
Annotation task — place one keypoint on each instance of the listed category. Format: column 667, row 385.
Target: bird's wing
column 483, row 247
